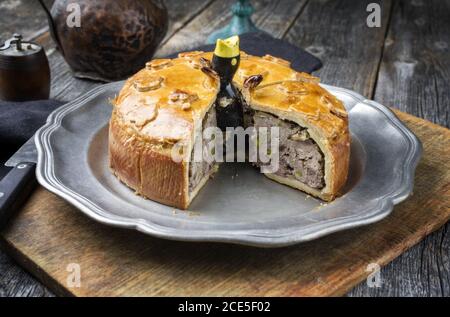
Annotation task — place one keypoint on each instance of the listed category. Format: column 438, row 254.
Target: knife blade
column 26, row 153
column 17, row 185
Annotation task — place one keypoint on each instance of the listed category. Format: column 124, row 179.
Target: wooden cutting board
column 52, row 240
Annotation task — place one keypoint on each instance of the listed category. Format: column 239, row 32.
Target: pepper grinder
column 24, row 71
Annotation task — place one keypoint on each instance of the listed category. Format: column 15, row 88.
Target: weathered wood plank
column 415, row 70
column 181, row 13
column 414, row 76
column 21, row 16
column 336, row 31
column 14, row 281
column 274, row 17
column 420, row 271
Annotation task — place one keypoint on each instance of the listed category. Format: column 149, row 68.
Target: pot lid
column 15, row 46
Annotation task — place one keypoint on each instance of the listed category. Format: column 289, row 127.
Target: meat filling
column 198, row 170
column 300, row 157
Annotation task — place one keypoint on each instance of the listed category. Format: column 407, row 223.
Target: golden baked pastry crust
column 160, row 106
column 297, row 97
column 164, row 104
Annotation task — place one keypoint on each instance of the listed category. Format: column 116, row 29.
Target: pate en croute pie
column 171, row 101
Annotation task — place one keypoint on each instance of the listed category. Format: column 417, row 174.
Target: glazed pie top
column 166, row 102
column 163, row 101
column 286, row 90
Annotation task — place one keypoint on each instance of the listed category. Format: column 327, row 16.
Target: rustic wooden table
column 405, row 64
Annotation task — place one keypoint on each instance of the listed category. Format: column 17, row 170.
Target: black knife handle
column 15, row 188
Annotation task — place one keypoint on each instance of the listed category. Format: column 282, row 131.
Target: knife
column 17, row 185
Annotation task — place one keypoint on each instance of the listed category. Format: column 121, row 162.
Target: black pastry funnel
column 225, row 62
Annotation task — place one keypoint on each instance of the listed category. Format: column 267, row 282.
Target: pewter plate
column 239, row 205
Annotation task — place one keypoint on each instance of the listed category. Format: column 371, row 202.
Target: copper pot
column 113, row 39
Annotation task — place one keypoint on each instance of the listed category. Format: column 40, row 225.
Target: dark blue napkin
column 18, row 122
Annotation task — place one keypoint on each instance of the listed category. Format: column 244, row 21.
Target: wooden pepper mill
column 24, row 71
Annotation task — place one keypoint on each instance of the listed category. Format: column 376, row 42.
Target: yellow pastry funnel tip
column 228, row 47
